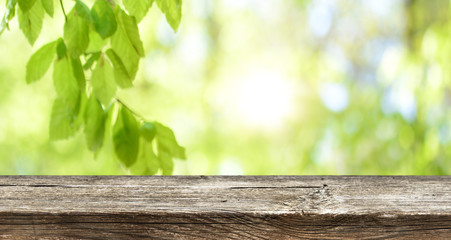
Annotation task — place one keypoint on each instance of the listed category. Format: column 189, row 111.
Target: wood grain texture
column 233, row 207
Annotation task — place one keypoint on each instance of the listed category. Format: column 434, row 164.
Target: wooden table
column 232, row 207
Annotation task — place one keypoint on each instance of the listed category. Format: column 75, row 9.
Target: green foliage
column 81, row 10
column 91, row 60
column 172, row 9
column 103, row 85
column 155, row 135
column 127, row 45
column 26, row 5
column 87, row 32
column 126, row 137
column 148, row 131
column 30, row 20
column 79, row 74
column 138, row 8
column 64, row 120
column 96, row 43
column 48, row 7
column 9, row 14
column 64, row 81
column 249, row 114
column 147, row 163
column 40, row 62
column 61, row 49
column 94, row 120
column 76, row 31
column 167, row 148
column 167, row 143
column 121, row 75
column 104, row 19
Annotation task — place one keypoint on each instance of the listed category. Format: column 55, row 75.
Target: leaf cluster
column 99, row 51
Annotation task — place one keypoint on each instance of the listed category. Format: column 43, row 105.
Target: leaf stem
column 64, row 11
column 133, row 112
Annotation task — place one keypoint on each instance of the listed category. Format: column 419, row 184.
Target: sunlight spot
column 334, row 96
column 400, row 100
column 320, row 17
column 263, row 98
column 434, row 76
column 165, row 34
column 193, row 47
column 380, row 8
column 230, row 166
column 429, row 44
column 198, row 163
column 389, row 65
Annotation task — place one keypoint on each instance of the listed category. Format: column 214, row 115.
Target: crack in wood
column 274, row 187
column 40, row 185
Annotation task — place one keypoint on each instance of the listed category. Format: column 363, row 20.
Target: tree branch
column 133, row 112
column 62, row 8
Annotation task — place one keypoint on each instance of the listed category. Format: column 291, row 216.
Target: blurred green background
column 263, row 87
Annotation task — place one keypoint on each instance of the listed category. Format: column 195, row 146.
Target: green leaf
column 94, row 120
column 167, row 143
column 168, row 148
column 63, row 118
column 104, row 19
column 61, row 49
column 126, row 42
column 64, row 81
column 148, row 131
column 48, row 7
column 121, row 76
column 40, row 62
column 78, row 72
column 126, row 137
column 138, row 8
column 96, row 43
column 82, row 102
column 8, row 16
column 172, row 9
column 153, row 163
column 129, row 31
column 147, row 163
column 110, row 117
column 102, row 81
column 166, row 163
column 26, row 5
column 30, row 22
column 76, row 34
column 10, row 9
column 91, row 60
column 82, row 11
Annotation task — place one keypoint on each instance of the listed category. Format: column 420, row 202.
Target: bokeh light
column 264, row 87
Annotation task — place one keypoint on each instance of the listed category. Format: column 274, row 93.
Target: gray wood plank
column 232, row 207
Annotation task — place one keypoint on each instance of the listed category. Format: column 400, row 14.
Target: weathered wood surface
column 250, row 207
